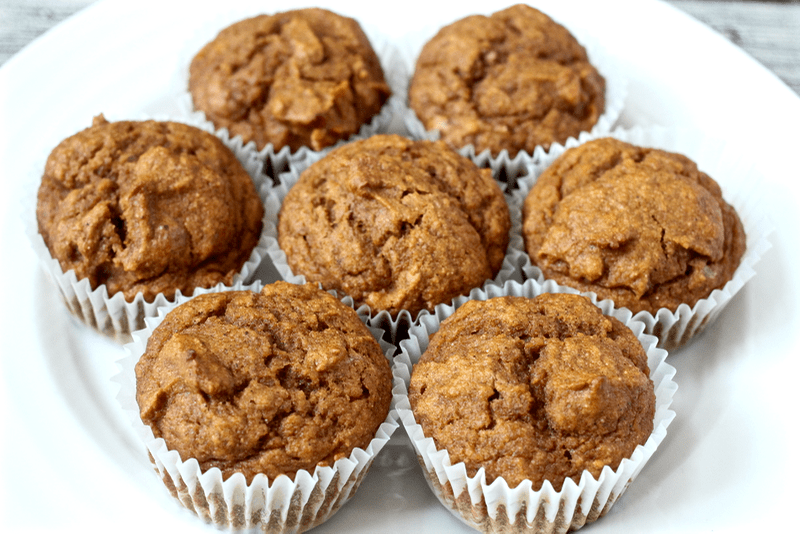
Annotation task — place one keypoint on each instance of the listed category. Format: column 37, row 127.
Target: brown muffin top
column 149, row 207
column 271, row 382
column 306, row 77
column 396, row 224
column 514, row 80
column 538, row 389
column 642, row 227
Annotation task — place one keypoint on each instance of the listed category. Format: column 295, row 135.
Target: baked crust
column 396, row 224
column 150, row 207
column 534, row 389
column 270, row 382
column 306, row 77
column 640, row 226
column 511, row 81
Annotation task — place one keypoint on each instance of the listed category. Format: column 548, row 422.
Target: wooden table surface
column 768, row 31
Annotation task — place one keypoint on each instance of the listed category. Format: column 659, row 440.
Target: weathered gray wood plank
column 768, row 31
column 22, row 21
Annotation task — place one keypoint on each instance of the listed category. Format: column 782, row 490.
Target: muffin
column 148, row 207
column 511, row 81
column 532, row 411
column 263, row 391
column 396, row 224
column 534, row 389
column 640, row 226
column 302, row 78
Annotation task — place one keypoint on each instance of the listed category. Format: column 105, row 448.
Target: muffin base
column 283, row 505
column 113, row 316
column 395, row 328
column 736, row 175
column 513, row 168
column 496, row 507
column 277, row 161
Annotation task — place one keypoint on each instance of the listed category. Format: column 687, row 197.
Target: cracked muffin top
column 396, row 224
column 640, row 226
column 150, row 207
column 272, row 382
column 511, row 81
column 534, row 389
column 306, row 77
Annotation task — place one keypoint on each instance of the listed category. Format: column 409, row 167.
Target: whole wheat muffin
column 640, row 226
column 511, row 81
column 394, row 223
column 270, row 382
column 534, row 389
column 306, row 77
column 150, row 207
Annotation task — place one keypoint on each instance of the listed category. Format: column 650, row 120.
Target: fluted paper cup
column 281, row 505
column 509, row 168
column 734, row 170
column 394, row 326
column 113, row 315
column 496, row 507
column 276, row 160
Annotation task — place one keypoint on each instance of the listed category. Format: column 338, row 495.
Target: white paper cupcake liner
column 395, row 327
column 277, row 162
column 496, row 507
column 512, row 168
column 112, row 315
column 281, row 506
column 733, row 168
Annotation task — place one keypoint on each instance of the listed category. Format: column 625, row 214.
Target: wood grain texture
column 768, row 31
column 22, row 21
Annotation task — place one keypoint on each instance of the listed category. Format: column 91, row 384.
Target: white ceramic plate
column 69, row 459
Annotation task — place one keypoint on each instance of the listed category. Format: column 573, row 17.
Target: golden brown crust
column 149, row 207
column 642, row 227
column 396, row 224
column 538, row 389
column 271, row 382
column 514, row 80
column 306, row 77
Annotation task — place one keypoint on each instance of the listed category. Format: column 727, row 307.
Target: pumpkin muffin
column 270, row 383
column 640, row 226
column 396, row 224
column 538, row 389
column 302, row 78
column 511, row 81
column 148, row 207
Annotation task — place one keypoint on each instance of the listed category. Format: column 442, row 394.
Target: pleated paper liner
column 282, row 505
column 397, row 326
column 276, row 161
column 495, row 507
column 112, row 315
column 504, row 167
column 733, row 168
